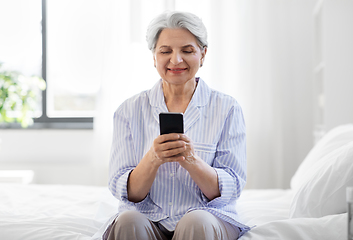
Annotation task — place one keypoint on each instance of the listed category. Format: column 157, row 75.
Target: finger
column 167, row 137
column 171, row 152
column 189, row 144
column 172, row 144
column 158, row 143
column 185, row 138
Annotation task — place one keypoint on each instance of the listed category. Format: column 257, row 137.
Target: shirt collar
column 200, row 98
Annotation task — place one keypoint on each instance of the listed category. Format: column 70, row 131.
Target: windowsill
column 49, row 125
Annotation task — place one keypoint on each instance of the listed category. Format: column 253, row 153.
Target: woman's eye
column 187, row 51
column 165, row 52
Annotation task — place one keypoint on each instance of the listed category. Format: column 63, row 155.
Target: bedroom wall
column 291, row 53
column 278, row 105
column 55, row 156
column 338, row 62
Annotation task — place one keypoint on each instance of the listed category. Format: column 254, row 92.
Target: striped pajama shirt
column 214, row 122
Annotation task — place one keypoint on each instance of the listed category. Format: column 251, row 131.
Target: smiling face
column 177, row 56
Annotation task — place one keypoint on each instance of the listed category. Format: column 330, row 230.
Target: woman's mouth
column 176, row 70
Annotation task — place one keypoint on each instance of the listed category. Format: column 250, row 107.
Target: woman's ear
column 203, row 52
column 154, row 60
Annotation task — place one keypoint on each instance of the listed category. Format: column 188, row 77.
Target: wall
column 338, row 62
column 56, row 156
column 276, row 88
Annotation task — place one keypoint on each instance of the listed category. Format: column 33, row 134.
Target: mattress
column 78, row 212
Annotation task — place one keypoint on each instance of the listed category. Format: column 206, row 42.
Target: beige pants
column 195, row 225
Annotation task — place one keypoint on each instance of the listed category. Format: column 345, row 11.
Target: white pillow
column 325, row 192
column 334, row 139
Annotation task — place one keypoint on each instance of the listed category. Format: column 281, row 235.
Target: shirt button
column 170, row 203
column 171, row 174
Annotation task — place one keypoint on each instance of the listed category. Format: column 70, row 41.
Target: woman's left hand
column 202, row 173
column 189, row 153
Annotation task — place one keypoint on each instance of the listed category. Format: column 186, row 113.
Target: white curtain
column 259, row 52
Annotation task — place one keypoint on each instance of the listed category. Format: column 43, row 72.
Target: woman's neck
column 178, row 97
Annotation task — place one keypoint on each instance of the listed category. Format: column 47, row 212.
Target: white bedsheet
column 52, row 211
column 77, row 212
column 269, row 211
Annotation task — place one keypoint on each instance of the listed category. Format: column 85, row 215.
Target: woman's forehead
column 176, row 38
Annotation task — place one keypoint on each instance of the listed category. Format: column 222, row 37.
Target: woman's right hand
column 167, row 148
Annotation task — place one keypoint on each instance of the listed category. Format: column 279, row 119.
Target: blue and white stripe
column 214, row 121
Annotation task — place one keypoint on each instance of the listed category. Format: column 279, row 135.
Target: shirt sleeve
column 121, row 157
column 230, row 159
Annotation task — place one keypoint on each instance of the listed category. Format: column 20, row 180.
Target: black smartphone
column 171, row 123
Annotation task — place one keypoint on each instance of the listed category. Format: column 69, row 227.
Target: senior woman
column 178, row 186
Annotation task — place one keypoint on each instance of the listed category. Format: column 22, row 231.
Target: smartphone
column 171, row 123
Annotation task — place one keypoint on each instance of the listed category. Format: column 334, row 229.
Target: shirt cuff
column 122, row 183
column 226, row 188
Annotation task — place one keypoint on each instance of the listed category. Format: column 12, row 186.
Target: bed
column 313, row 208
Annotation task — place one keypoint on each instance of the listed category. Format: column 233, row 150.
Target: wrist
column 192, row 163
column 152, row 160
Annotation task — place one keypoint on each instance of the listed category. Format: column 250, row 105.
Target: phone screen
column 171, row 123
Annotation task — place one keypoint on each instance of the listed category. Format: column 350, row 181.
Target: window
column 74, row 51
column 61, row 40
column 21, row 38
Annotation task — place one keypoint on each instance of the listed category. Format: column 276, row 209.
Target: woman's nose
column 176, row 59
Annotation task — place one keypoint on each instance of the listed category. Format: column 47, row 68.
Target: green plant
column 19, row 97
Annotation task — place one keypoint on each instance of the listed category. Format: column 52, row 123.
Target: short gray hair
column 173, row 20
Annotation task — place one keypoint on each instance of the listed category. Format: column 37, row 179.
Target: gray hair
column 175, row 19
